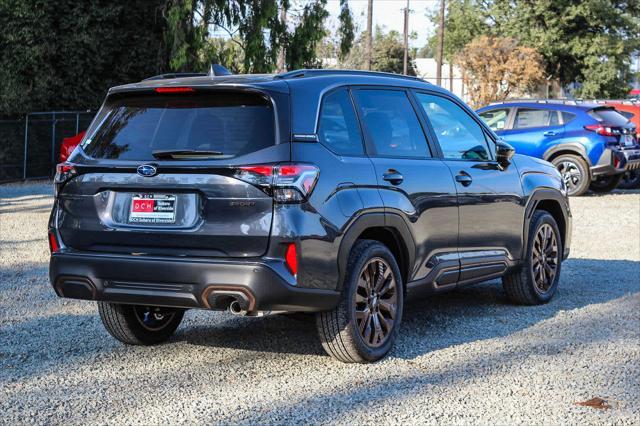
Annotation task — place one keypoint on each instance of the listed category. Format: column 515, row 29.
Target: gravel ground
column 463, row 358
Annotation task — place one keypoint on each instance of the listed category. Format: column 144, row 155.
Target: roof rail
column 176, row 75
column 318, row 72
column 543, row 101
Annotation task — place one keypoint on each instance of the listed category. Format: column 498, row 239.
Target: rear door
column 132, row 197
column 534, row 130
column 413, row 183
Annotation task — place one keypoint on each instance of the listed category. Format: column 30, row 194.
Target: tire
column 630, row 180
column 605, row 183
column 339, row 329
column 575, row 173
column 139, row 325
column 524, row 286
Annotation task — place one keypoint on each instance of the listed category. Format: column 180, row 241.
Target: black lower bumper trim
column 182, row 283
column 616, row 161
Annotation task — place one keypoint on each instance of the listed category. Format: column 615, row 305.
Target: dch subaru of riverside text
column 591, row 144
column 338, row 193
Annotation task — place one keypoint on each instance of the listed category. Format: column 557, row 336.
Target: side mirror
column 504, row 153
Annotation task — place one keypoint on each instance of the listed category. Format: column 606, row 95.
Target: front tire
column 575, row 173
column 364, row 325
column 605, row 183
column 536, row 281
column 139, row 325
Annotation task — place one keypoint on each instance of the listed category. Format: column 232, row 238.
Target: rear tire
column 139, row 325
column 536, row 281
column 575, row 173
column 630, row 180
column 605, row 183
column 364, row 325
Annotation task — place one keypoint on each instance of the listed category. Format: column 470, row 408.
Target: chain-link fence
column 30, row 145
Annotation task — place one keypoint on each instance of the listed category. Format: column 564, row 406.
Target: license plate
column 628, row 140
column 153, row 208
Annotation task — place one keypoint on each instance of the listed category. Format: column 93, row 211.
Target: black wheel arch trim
column 390, row 221
column 571, row 147
column 535, row 199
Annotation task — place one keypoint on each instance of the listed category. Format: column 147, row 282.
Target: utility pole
column 440, row 45
column 369, row 33
column 281, row 53
column 405, row 67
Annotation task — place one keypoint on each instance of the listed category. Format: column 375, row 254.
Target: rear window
column 232, row 124
column 609, row 116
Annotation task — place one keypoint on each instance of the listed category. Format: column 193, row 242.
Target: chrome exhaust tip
column 236, row 309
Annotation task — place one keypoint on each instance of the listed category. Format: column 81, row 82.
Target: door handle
column 549, row 133
column 393, row 176
column 464, row 179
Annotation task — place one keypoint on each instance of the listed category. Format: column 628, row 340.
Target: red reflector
column 291, row 257
column 260, row 170
column 53, row 242
column 174, row 89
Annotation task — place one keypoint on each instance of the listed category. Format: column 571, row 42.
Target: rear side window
column 229, row 124
column 608, row 116
column 526, row 118
column 338, row 128
column 567, row 117
column 391, row 124
column 496, row 119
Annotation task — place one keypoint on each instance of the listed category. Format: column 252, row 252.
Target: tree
column 346, row 30
column 387, row 53
column 588, row 42
column 66, row 54
column 309, row 32
column 496, row 67
column 255, row 26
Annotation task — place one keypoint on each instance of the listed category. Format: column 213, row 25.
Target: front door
column 490, row 198
column 414, row 184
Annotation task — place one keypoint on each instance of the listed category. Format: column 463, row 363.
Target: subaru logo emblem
column 147, row 170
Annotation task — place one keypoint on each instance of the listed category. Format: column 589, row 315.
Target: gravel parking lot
column 465, row 357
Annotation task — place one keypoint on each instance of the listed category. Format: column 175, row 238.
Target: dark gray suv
column 342, row 193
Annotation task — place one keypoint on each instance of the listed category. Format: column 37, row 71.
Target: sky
column 389, row 14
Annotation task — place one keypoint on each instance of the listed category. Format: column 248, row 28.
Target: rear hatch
column 156, row 175
column 617, row 127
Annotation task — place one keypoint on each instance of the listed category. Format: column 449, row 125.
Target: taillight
column 286, row 183
column 602, row 130
column 64, row 172
column 53, row 242
column 291, row 259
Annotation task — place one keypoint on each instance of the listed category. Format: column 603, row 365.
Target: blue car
column 592, row 145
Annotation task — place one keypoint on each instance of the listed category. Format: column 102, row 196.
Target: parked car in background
column 326, row 191
column 591, row 144
column 631, row 110
column 68, row 145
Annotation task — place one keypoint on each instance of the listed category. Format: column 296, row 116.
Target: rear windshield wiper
column 185, row 154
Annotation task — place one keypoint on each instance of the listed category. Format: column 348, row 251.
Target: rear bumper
column 615, row 161
column 183, row 283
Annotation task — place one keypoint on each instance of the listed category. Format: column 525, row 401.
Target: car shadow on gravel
column 471, row 313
